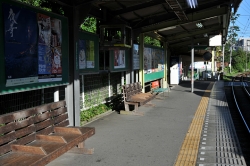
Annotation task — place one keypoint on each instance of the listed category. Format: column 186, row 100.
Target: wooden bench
column 133, row 95
column 36, row 136
column 155, row 88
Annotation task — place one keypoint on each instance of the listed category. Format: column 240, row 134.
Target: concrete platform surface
column 153, row 139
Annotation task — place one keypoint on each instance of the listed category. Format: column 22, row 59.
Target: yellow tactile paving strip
column 190, row 146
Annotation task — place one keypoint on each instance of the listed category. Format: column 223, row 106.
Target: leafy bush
column 88, row 114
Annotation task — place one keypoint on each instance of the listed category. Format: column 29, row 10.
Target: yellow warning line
column 190, row 146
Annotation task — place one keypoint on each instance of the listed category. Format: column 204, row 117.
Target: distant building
column 244, row 43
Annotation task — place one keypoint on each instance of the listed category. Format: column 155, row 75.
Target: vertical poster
column 159, row 59
column 49, row 49
column 20, row 32
column 82, row 54
column 91, row 54
column 119, row 59
column 136, row 57
column 153, row 62
column 86, row 54
column 147, row 60
column 56, row 41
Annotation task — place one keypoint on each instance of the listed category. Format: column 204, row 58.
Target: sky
column 243, row 21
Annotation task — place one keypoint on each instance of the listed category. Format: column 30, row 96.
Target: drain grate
column 219, row 144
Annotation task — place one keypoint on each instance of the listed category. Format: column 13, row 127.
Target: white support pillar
column 128, row 78
column 192, row 68
column 165, row 79
column 56, row 94
column 110, row 94
column 213, row 63
column 141, row 72
column 223, row 60
column 82, row 94
column 70, row 103
column 137, row 76
column 132, row 76
column 122, row 78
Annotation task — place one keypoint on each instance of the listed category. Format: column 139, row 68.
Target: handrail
column 240, row 110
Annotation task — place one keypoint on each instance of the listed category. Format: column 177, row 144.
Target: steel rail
column 236, row 103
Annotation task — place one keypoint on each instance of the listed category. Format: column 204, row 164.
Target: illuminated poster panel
column 20, row 41
column 136, row 57
column 32, row 52
column 49, row 49
column 147, row 60
column 86, row 54
column 119, row 59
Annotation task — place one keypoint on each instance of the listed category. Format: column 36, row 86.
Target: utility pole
column 223, row 52
column 246, row 57
column 230, row 58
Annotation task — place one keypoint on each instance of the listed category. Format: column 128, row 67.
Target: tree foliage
column 152, row 41
column 45, row 5
column 89, row 24
column 233, row 29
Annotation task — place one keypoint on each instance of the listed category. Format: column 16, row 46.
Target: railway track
column 238, row 98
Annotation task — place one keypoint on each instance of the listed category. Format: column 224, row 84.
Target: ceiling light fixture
column 192, row 3
column 167, row 28
column 199, row 25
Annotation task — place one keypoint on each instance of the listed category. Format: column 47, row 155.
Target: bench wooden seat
column 133, row 95
column 155, row 88
column 36, row 136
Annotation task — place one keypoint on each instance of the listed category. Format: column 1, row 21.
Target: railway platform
column 182, row 129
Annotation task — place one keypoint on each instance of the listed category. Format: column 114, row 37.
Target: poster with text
column 147, row 60
column 82, row 54
column 119, row 59
column 159, row 59
column 44, row 29
column 56, row 41
column 20, row 32
column 90, row 54
column 136, row 58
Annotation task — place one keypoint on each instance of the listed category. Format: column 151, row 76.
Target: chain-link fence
column 99, row 88
column 28, row 99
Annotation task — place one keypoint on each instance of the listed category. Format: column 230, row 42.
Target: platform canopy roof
column 177, row 22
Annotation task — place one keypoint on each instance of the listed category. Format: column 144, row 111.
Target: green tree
column 152, row 41
column 89, row 24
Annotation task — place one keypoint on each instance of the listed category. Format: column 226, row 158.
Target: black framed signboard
column 33, row 48
column 118, row 60
column 87, row 57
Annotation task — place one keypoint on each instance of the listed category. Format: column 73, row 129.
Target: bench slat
column 20, row 159
column 7, row 128
column 50, row 138
column 67, row 130
column 46, row 131
column 60, row 118
column 25, row 131
column 62, row 124
column 7, row 138
column 28, row 149
column 44, row 124
column 59, row 111
column 4, row 149
column 27, row 139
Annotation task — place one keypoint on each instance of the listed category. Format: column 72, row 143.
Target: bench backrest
column 131, row 89
column 21, row 127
